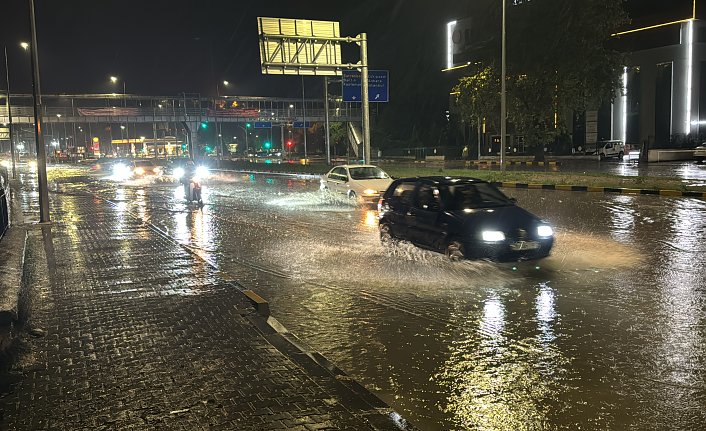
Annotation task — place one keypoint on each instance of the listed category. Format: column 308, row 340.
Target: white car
column 700, row 153
column 364, row 183
column 611, row 149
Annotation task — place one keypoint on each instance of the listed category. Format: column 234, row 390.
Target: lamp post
column 39, row 133
column 503, row 96
column 218, row 124
column 114, row 80
column 9, row 118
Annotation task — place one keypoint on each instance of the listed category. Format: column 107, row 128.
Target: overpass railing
column 67, row 108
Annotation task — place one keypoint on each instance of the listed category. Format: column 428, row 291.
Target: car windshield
column 367, row 173
column 468, row 196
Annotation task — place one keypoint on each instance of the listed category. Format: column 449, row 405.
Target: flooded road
column 607, row 333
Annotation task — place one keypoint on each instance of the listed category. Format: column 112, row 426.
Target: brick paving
column 143, row 335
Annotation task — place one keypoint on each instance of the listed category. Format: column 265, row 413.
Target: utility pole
column 9, row 118
column 328, row 135
column 503, row 97
column 364, row 91
column 39, row 133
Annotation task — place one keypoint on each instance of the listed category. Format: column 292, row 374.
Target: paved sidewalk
column 143, row 335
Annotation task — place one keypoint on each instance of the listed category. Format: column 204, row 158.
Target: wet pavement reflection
column 607, row 333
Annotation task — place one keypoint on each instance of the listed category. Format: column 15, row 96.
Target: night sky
column 161, row 47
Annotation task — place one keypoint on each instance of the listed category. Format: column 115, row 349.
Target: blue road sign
column 300, row 125
column 262, row 124
column 378, row 86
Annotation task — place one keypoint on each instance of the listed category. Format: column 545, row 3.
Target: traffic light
column 207, row 149
column 204, row 125
column 183, row 146
column 267, row 145
column 248, row 125
column 289, row 144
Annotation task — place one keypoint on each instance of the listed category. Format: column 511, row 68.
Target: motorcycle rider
column 189, row 173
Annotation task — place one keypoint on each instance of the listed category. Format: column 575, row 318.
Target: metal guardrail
column 4, row 207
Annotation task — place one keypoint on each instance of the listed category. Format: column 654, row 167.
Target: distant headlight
column 157, row 170
column 370, row 192
column 544, row 231
column 120, row 170
column 139, row 171
column 493, row 236
column 201, row 172
column 178, row 173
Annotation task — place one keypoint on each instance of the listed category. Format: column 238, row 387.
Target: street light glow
column 24, row 45
column 226, row 83
column 113, row 79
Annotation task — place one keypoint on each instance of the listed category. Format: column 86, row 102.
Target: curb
column 493, row 162
column 286, row 174
column 618, row 190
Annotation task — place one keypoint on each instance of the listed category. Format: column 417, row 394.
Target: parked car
column 463, row 218
column 700, row 153
column 364, row 183
column 610, row 149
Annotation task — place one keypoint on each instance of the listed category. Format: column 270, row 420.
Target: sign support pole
column 364, row 90
column 328, row 134
column 304, row 118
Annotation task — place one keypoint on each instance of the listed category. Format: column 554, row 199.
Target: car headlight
column 201, row 172
column 178, row 173
column 139, row 171
column 370, row 192
column 493, row 236
column 120, row 170
column 157, row 170
column 544, row 231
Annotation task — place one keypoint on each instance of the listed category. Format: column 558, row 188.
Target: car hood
column 380, row 184
column 505, row 218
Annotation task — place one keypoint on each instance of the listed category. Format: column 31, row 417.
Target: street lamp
column 24, row 45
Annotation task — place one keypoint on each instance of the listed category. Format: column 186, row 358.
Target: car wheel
column 454, row 251
column 600, row 156
column 386, row 237
column 352, row 195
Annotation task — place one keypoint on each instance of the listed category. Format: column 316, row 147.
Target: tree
column 559, row 61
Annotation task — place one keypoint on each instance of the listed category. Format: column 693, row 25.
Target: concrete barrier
column 669, row 155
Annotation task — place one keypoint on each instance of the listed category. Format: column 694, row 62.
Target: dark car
column 462, row 217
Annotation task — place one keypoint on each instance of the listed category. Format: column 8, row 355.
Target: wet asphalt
column 607, row 333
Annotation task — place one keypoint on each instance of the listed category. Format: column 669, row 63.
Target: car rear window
column 404, row 192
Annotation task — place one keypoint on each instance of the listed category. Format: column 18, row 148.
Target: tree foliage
column 559, row 60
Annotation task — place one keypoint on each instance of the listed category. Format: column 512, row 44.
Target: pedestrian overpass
column 186, row 109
